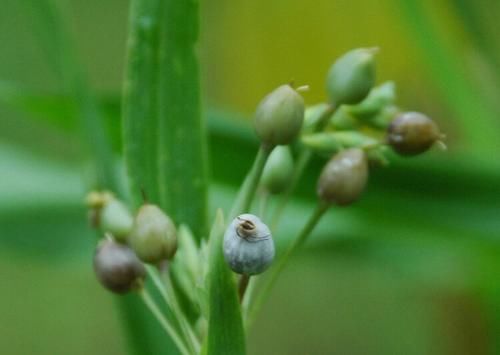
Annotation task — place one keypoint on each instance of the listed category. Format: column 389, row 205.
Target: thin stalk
column 175, row 306
column 164, row 322
column 171, row 302
column 247, row 191
column 301, row 165
column 320, row 210
column 242, row 286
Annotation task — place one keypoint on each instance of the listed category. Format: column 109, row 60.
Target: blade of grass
column 183, row 165
column 225, row 326
column 140, row 91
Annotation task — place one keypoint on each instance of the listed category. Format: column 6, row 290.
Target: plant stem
column 171, row 302
column 320, row 210
column 301, row 165
column 164, row 322
column 247, row 191
column 242, row 286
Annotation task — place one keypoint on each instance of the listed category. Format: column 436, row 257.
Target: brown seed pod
column 117, row 267
column 412, row 133
column 344, row 177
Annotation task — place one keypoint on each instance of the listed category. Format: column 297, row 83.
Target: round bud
column 352, row 76
column 412, row 133
column 278, row 170
column 279, row 116
column 153, row 237
column 344, row 177
column 248, row 245
column 116, row 219
column 117, row 267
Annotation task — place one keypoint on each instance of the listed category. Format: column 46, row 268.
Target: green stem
column 171, row 302
column 164, row 322
column 320, row 210
column 247, row 191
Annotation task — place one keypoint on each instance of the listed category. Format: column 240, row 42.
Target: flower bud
column 344, row 177
column 379, row 97
column 279, row 116
column 248, row 245
column 412, row 133
column 116, row 219
column 278, row 170
column 154, row 237
column 352, row 76
column 117, row 267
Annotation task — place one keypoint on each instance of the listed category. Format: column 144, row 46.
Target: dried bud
column 279, row 116
column 116, row 219
column 117, row 267
column 412, row 133
column 278, row 170
column 153, row 237
column 352, row 76
column 344, row 177
column 248, row 245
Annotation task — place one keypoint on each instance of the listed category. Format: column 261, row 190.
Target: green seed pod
column 279, row 116
column 117, row 267
column 344, row 177
column 154, row 237
column 412, row 133
column 313, row 116
column 116, row 219
column 352, row 76
column 379, row 97
column 248, row 245
column 278, row 170
column 328, row 143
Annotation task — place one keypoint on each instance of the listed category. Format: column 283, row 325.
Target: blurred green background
column 414, row 268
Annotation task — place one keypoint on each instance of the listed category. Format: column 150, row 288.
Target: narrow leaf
column 140, row 111
column 225, row 326
column 183, row 155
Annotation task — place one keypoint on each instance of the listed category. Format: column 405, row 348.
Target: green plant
column 166, row 159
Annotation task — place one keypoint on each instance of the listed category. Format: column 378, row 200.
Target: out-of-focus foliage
column 413, row 268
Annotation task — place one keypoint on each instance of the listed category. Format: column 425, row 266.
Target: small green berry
column 352, row 76
column 412, row 133
column 116, row 219
column 278, row 170
column 154, row 237
column 344, row 177
column 279, row 116
column 117, row 267
column 248, row 245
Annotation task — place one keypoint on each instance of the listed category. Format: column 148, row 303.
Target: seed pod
column 344, row 177
column 248, row 245
column 116, row 219
column 117, row 267
column 279, row 116
column 412, row 133
column 278, row 170
column 153, row 237
column 352, row 76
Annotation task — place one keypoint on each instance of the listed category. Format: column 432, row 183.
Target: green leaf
column 183, row 164
column 140, row 110
column 53, row 34
column 225, row 326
